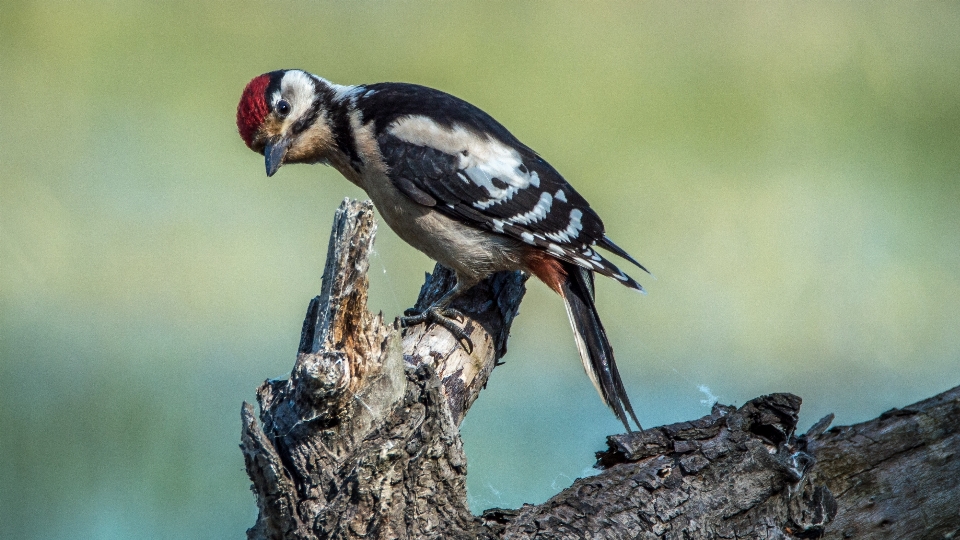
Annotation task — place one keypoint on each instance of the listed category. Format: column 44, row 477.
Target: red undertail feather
column 547, row 268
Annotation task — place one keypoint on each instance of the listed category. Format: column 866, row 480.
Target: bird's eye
column 283, row 108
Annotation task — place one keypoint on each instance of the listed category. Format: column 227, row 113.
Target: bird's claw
column 445, row 317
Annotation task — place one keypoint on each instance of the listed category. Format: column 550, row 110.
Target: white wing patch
column 485, row 161
column 555, row 249
column 539, row 211
column 571, row 232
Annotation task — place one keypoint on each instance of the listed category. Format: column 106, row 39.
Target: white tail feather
column 582, row 348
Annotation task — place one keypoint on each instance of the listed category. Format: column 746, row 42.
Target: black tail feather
column 595, row 350
column 608, row 245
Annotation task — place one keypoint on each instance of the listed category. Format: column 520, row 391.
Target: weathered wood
column 733, row 474
column 741, row 473
column 362, row 442
column 358, row 442
column 491, row 307
column 897, row 476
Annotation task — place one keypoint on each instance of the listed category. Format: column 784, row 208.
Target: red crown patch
column 253, row 108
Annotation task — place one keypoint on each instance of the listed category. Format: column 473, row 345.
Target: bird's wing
column 505, row 188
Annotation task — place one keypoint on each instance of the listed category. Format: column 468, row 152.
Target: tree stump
column 362, row 441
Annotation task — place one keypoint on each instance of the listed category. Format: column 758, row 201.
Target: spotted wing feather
column 532, row 203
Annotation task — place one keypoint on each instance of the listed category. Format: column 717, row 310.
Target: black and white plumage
column 452, row 182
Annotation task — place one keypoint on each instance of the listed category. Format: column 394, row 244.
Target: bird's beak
column 273, row 154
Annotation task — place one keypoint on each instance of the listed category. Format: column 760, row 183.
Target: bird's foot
column 445, row 317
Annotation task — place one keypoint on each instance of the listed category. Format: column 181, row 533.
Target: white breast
column 473, row 253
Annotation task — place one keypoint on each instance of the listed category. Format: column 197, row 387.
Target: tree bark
column 362, row 441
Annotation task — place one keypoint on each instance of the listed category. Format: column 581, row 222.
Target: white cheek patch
column 298, row 89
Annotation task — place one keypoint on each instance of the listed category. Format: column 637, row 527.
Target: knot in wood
column 323, row 375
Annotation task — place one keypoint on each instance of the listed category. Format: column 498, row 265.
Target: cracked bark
column 362, row 441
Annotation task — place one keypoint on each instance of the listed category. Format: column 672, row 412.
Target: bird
column 453, row 183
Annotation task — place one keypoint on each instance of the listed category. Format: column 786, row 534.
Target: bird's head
column 284, row 116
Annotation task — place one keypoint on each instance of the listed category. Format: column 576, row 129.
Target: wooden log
column 362, row 441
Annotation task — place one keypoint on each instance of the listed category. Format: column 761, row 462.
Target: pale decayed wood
column 361, row 441
column 492, row 306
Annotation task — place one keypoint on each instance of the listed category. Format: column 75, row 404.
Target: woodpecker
column 455, row 184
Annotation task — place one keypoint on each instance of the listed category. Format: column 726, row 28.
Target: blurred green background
column 788, row 171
